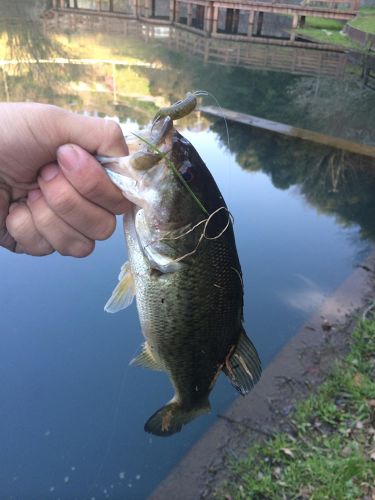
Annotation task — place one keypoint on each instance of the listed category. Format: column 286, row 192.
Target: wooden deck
column 217, row 18
column 299, row 58
column 282, row 128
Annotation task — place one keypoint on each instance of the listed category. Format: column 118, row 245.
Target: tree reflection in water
column 335, row 182
column 24, row 48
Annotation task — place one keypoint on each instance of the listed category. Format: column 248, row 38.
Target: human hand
column 54, row 195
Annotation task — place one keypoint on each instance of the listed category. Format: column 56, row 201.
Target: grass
column 330, row 452
column 326, row 31
column 365, row 21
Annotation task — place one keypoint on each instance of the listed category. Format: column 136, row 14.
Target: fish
column 184, row 272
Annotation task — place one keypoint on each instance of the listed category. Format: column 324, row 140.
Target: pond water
column 72, row 410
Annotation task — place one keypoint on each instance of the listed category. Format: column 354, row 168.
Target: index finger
column 90, row 179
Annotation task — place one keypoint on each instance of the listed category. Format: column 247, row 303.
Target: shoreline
column 297, row 370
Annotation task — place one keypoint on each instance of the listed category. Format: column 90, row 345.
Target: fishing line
column 209, row 94
column 115, row 418
column 203, row 234
column 204, row 92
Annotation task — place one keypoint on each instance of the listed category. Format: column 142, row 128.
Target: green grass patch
column 326, row 31
column 321, row 23
column 331, row 451
column 365, row 21
column 328, row 36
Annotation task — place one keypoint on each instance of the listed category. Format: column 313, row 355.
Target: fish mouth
column 159, row 130
column 147, row 148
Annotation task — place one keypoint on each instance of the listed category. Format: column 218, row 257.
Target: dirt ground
column 301, row 366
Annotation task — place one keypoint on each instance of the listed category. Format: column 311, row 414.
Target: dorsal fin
column 242, row 365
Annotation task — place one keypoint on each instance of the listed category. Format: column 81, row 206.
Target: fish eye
column 186, row 172
column 188, row 175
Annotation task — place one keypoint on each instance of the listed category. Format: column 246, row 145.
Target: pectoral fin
column 146, row 359
column 123, row 295
column 242, row 365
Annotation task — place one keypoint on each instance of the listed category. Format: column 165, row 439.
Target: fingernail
column 49, row 172
column 68, row 156
column 34, row 195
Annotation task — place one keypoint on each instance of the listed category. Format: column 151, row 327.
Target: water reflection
column 26, row 52
column 298, row 58
column 333, row 181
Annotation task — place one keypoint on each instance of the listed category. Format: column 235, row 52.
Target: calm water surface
column 72, row 411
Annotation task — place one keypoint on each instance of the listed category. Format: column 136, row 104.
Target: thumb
column 96, row 135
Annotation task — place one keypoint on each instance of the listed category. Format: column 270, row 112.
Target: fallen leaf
column 288, row 452
column 277, row 471
column 346, row 451
column 357, row 379
column 306, row 491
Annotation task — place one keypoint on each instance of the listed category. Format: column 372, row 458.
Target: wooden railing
column 275, row 55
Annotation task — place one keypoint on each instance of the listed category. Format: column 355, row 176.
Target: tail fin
column 170, row 419
column 243, row 367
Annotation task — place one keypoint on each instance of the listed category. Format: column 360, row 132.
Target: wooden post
column 355, row 5
column 294, row 61
column 238, row 54
column 145, row 9
column 76, row 4
column 250, row 26
column 208, row 19
column 97, row 4
column 259, row 23
column 189, row 13
column 295, row 22
column 54, row 4
column 214, row 19
column 206, row 50
column 110, row 5
column 172, row 10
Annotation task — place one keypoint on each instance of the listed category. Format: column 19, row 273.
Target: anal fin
column 123, row 295
column 242, row 365
column 146, row 359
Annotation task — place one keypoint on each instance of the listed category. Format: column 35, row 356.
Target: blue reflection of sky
column 72, row 411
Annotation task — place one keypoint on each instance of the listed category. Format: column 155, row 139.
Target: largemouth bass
column 184, row 271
